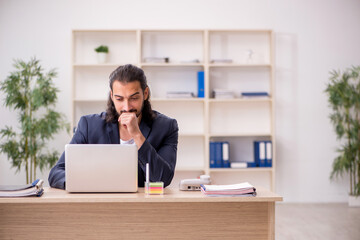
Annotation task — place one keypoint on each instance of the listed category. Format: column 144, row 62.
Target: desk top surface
column 52, row 195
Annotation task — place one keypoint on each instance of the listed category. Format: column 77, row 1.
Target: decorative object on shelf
column 249, row 56
column 343, row 92
column 32, row 92
column 102, row 53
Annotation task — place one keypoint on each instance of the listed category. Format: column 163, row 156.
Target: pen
column 147, row 173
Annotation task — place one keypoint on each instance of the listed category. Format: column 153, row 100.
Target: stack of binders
column 219, row 155
column 241, row 190
column 34, row 189
column 263, row 153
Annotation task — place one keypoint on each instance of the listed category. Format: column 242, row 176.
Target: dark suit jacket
column 159, row 148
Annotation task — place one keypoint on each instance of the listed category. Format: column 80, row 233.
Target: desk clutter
column 34, row 189
column 152, row 188
column 194, row 184
column 233, row 190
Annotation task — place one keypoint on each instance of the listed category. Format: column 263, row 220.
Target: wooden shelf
column 100, row 65
column 191, row 134
column 177, row 100
column 171, row 64
column 189, row 169
column 241, row 100
column 239, row 121
column 239, row 134
column 89, row 100
column 255, row 169
column 240, row 65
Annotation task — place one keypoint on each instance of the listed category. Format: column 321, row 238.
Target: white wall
column 312, row 38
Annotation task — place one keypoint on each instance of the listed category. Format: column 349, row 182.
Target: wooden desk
column 174, row 215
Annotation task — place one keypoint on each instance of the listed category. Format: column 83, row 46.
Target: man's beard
column 131, row 110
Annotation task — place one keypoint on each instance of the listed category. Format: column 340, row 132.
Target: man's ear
column 146, row 93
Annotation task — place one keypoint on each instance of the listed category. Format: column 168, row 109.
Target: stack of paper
column 223, row 94
column 33, row 189
column 179, row 94
column 241, row 189
column 156, row 60
column 221, row 60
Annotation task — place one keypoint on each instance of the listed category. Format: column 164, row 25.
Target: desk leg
column 271, row 220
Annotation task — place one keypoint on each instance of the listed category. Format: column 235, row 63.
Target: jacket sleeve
column 162, row 162
column 57, row 174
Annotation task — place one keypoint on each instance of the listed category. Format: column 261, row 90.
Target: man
column 129, row 119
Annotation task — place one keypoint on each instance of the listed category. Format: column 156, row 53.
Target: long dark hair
column 125, row 74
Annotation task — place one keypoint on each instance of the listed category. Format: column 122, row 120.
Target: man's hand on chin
column 129, row 121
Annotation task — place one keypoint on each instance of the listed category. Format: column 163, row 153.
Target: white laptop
column 101, row 168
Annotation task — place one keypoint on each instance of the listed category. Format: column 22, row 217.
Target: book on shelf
column 263, row 153
column 242, row 165
column 223, row 94
column 201, row 84
column 244, row 189
column 239, row 165
column 221, row 60
column 268, row 152
column 190, row 61
column 34, row 189
column 156, row 60
column 219, row 154
column 180, row 94
column 255, row 94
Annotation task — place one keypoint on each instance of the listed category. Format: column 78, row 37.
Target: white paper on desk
column 239, row 186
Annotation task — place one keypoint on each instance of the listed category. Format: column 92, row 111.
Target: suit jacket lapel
column 113, row 133
column 145, row 129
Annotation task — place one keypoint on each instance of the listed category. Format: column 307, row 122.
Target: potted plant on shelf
column 344, row 98
column 102, row 52
column 31, row 92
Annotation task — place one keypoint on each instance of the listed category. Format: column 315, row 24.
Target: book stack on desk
column 241, row 190
column 34, row 189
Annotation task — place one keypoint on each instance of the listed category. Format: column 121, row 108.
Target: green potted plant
column 344, row 98
column 102, row 52
column 31, row 92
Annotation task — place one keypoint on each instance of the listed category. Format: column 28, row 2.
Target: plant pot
column 354, row 201
column 102, row 57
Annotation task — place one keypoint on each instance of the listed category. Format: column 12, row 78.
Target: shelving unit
column 239, row 121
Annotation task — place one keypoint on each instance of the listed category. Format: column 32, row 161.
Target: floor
column 316, row 221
